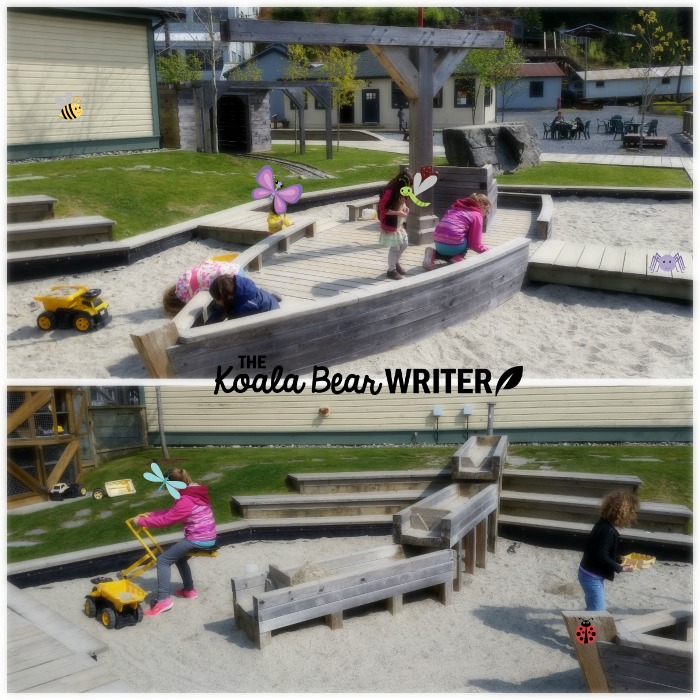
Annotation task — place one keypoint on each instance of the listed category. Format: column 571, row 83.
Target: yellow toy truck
column 72, row 306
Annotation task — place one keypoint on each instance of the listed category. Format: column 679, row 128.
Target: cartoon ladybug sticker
column 585, row 632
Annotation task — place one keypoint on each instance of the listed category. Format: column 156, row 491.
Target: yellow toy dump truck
column 72, row 306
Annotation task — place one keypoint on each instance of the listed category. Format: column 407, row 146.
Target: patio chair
column 586, row 130
column 547, row 130
column 651, row 128
column 605, row 123
column 617, row 126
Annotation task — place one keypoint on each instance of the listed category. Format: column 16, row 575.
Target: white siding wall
column 193, row 409
column 633, row 88
column 521, row 99
column 104, row 63
column 443, row 117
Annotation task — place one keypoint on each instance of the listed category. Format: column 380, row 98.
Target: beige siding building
column 193, row 415
column 103, row 59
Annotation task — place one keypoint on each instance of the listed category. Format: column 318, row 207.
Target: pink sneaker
column 457, row 258
column 429, row 259
column 159, row 607
column 182, row 593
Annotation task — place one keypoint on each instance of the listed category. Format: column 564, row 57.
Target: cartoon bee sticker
column 71, row 106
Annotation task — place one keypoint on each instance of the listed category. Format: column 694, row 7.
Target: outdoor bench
column 355, row 208
column 29, row 208
column 51, row 233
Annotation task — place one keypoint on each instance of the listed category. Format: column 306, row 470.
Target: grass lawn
column 585, row 175
column 147, row 191
column 85, row 523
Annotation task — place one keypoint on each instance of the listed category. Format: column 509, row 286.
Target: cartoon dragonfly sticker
column 157, row 476
column 419, row 185
column 269, row 187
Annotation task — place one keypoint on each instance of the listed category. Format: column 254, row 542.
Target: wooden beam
column 399, row 67
column 27, row 409
column 444, row 66
column 361, row 35
column 62, row 464
column 23, row 477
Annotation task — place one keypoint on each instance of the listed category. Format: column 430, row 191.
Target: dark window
column 488, row 96
column 398, row 99
column 464, row 92
column 600, row 83
column 537, row 88
column 318, row 104
column 205, row 58
column 666, row 81
column 437, row 100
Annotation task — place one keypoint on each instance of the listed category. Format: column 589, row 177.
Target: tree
column 177, row 68
column 338, row 66
column 207, row 22
column 494, row 68
column 250, row 71
column 657, row 53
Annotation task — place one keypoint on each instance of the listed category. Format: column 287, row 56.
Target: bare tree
column 161, row 426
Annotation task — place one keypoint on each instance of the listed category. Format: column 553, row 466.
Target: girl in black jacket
column 600, row 556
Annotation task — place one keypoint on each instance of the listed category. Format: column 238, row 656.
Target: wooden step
column 296, row 505
column 568, row 483
column 353, row 482
column 29, row 208
column 51, row 233
column 630, row 537
column 655, row 517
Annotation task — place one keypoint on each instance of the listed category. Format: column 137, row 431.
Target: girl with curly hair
column 600, row 557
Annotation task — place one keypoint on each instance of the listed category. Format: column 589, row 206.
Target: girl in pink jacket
column 193, row 507
column 459, row 229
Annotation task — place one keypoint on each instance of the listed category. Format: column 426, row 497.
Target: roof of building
column 635, row 73
column 540, row 70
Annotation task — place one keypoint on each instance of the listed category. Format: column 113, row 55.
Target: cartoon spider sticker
column 667, row 263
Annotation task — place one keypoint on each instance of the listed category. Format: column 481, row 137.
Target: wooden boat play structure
column 337, row 302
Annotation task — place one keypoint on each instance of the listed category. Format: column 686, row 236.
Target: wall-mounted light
column 324, row 410
column 437, row 411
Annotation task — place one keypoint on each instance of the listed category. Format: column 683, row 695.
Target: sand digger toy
column 118, row 603
column 72, row 306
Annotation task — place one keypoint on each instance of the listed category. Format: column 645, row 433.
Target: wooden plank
column 659, row 619
column 613, row 260
column 570, row 255
column 151, row 347
column 638, row 670
column 41, row 674
column 342, row 34
column 587, row 654
column 547, row 253
column 635, row 262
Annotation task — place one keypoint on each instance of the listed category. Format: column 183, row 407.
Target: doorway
column 233, row 124
column 370, row 106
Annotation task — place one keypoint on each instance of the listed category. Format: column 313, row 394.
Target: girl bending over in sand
column 238, row 296
column 192, row 281
column 193, row 508
column 600, row 557
column 459, row 229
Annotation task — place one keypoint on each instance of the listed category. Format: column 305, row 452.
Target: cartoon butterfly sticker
column 269, row 187
column 157, row 476
column 419, row 185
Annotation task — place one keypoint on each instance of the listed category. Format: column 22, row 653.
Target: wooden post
column 335, row 620
column 459, row 551
column 395, row 604
column 421, row 221
column 481, row 544
column 469, row 552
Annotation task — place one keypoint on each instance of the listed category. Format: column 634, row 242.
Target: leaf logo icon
column 510, row 378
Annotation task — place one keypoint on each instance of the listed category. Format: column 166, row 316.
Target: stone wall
column 259, row 113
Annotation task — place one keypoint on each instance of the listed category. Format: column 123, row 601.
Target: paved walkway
column 401, row 147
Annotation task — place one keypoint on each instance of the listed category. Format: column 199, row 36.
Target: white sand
column 502, row 633
column 555, row 331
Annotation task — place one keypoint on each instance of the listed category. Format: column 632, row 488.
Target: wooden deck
column 608, row 267
column 349, row 256
column 47, row 654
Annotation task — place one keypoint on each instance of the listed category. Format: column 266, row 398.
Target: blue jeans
column 177, row 554
column 593, row 590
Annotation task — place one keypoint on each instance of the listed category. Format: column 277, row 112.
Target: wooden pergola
column 433, row 55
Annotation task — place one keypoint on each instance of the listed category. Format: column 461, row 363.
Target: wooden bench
column 632, row 140
column 462, row 516
column 625, row 658
column 243, row 228
column 568, row 483
column 355, row 208
column 655, row 517
column 259, row 612
column 29, row 208
column 51, row 233
column 545, row 217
